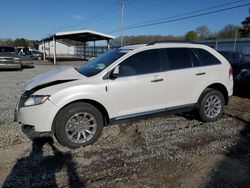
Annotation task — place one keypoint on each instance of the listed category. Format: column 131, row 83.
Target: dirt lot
column 169, row 151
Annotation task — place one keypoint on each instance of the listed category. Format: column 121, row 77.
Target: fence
column 91, row 51
column 241, row 45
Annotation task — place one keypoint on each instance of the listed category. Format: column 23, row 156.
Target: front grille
column 6, row 59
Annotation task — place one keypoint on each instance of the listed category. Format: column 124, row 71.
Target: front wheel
column 211, row 105
column 78, row 124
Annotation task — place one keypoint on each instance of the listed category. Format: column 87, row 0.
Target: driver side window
column 141, row 63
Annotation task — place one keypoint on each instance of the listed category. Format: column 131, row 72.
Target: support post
column 94, row 49
column 44, row 57
column 84, row 50
column 216, row 45
column 49, row 50
column 235, row 39
column 54, row 41
column 108, row 45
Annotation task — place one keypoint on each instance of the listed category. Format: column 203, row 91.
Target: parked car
column 232, row 57
column 9, row 59
column 126, row 83
column 237, row 60
column 37, row 55
column 246, row 57
column 242, row 83
column 25, row 55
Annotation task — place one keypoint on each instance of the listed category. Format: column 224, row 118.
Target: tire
column 78, row 124
column 39, row 58
column 211, row 105
column 20, row 68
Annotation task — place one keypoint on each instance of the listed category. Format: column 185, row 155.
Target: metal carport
column 79, row 35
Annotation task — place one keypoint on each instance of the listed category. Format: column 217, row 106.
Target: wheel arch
column 96, row 104
column 220, row 87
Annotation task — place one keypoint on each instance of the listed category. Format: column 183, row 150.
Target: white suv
column 126, row 83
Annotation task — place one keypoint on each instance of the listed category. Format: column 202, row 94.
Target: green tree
column 245, row 30
column 144, row 39
column 202, row 32
column 33, row 44
column 191, row 36
column 6, row 42
column 21, row 42
column 229, row 31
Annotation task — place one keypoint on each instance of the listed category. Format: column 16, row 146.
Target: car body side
column 99, row 90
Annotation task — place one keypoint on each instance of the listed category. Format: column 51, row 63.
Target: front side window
column 98, row 64
column 206, row 58
column 145, row 62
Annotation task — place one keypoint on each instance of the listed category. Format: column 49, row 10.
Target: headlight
column 36, row 100
column 17, row 60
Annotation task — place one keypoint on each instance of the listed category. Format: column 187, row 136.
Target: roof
column 164, row 44
column 132, row 47
column 80, row 35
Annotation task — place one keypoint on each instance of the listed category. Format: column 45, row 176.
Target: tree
column 202, row 32
column 229, row 31
column 21, row 42
column 245, row 30
column 144, row 39
column 6, row 42
column 191, row 36
column 33, row 44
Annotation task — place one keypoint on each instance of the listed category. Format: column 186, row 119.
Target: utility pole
column 122, row 4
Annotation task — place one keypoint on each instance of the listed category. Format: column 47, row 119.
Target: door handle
column 157, row 80
column 200, row 73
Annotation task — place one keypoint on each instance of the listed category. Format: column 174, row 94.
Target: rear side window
column 176, row 58
column 141, row 63
column 206, row 58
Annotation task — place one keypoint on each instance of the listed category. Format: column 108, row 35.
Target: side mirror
column 115, row 73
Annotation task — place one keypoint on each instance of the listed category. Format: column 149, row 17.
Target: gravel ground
column 167, row 151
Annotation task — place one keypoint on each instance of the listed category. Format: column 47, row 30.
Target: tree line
column 19, row 42
column 199, row 34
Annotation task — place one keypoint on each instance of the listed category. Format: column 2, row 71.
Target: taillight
column 231, row 71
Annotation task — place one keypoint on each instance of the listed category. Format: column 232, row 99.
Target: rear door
column 183, row 76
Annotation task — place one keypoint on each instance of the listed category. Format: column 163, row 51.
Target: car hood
column 57, row 76
column 8, row 55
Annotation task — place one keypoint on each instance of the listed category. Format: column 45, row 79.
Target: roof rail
column 171, row 41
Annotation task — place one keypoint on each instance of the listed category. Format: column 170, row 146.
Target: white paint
column 127, row 95
column 61, row 48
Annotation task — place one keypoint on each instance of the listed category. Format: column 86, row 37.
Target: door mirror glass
column 115, row 72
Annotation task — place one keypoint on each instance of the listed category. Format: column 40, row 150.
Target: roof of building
column 80, row 35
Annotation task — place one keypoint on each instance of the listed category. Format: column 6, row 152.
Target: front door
column 139, row 87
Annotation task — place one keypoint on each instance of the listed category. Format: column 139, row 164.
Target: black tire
column 67, row 113
column 203, row 103
column 39, row 58
column 20, row 68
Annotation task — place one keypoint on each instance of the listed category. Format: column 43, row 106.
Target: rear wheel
column 78, row 124
column 211, row 105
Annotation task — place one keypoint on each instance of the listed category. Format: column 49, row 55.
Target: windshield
column 98, row 64
column 7, row 49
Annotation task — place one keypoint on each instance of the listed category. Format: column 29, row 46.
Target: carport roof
column 80, row 35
